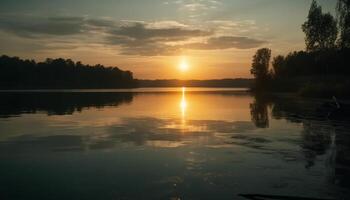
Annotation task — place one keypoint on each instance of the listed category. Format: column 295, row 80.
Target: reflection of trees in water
column 259, row 112
column 316, row 133
column 320, row 136
column 316, row 139
column 342, row 156
column 60, row 103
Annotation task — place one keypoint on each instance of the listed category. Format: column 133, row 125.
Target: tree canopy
column 320, row 29
column 260, row 65
column 343, row 13
column 60, row 74
column 323, row 69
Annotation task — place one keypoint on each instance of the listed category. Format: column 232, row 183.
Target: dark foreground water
column 180, row 144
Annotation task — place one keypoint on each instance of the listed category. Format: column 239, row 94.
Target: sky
column 155, row 39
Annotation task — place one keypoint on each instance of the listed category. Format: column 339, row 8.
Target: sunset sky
column 155, row 39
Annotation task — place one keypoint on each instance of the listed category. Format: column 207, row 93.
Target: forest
column 322, row 69
column 60, row 73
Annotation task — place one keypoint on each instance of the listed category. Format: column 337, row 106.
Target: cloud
column 143, row 39
column 158, row 48
column 129, row 46
column 166, row 24
column 101, row 22
column 150, row 39
column 140, row 31
column 195, row 5
column 226, row 42
column 33, row 27
column 155, row 38
column 228, row 26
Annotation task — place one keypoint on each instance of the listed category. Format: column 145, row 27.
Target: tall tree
column 277, row 64
column 320, row 29
column 343, row 14
column 260, row 65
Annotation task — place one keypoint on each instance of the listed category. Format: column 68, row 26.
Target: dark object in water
column 275, row 197
column 333, row 110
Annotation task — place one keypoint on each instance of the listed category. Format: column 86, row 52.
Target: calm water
column 168, row 144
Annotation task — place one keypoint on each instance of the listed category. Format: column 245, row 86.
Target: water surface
column 168, row 144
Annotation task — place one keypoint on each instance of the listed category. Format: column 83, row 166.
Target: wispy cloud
column 156, row 38
column 229, row 26
column 195, row 5
column 226, row 42
column 32, row 27
column 142, row 31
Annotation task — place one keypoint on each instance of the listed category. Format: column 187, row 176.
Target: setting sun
column 183, row 66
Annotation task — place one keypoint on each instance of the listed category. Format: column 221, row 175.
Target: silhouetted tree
column 343, row 13
column 60, row 74
column 278, row 65
column 322, row 70
column 320, row 29
column 260, row 65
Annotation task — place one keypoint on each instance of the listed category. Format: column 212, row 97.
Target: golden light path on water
column 183, row 106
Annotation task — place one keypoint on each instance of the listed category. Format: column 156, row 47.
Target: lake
column 162, row 143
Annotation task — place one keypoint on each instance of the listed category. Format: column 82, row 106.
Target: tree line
column 238, row 83
column 322, row 69
column 60, row 73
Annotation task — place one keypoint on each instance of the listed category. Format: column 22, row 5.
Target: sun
column 183, row 66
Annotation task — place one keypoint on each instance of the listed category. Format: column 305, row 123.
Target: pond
column 182, row 143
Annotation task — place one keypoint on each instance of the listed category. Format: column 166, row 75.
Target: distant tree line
column 238, row 83
column 60, row 73
column 323, row 69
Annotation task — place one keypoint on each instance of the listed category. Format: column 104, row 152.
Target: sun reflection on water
column 183, row 106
